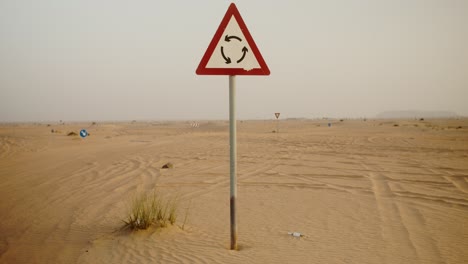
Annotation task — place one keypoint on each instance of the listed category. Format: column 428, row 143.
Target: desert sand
column 375, row 191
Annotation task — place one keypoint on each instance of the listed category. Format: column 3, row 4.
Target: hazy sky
column 125, row 60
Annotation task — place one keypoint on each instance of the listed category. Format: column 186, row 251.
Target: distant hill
column 417, row 114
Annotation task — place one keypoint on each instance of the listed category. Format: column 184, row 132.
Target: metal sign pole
column 233, row 161
column 222, row 57
column 277, row 115
column 277, row 125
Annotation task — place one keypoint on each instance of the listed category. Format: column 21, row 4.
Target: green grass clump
column 149, row 209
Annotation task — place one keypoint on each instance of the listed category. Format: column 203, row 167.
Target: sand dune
column 360, row 192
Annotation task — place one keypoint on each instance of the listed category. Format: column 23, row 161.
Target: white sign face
column 232, row 50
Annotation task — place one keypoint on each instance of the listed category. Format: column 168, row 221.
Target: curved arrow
column 244, row 50
column 228, row 38
column 227, row 59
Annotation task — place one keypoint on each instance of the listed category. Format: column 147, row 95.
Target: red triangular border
column 202, row 70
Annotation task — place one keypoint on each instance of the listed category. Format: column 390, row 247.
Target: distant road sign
column 232, row 50
column 83, row 133
column 277, row 115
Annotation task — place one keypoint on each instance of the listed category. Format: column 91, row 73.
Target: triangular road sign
column 277, row 115
column 232, row 50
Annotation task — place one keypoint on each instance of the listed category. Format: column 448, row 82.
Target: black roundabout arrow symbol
column 227, row 59
column 244, row 50
column 228, row 38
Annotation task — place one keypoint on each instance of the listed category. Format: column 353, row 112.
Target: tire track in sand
column 403, row 226
column 459, row 181
column 393, row 231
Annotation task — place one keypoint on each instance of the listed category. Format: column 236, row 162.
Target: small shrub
column 142, row 212
column 72, row 134
column 149, row 209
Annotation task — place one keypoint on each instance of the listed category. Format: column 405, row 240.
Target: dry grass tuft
column 149, row 209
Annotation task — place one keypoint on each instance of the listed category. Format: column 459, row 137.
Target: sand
column 360, row 191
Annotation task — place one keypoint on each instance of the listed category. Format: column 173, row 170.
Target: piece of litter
column 168, row 166
column 295, row 234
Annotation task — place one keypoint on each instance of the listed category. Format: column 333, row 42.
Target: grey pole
column 233, row 161
column 277, row 125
